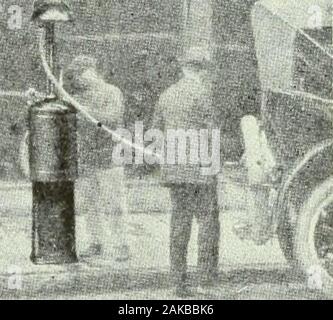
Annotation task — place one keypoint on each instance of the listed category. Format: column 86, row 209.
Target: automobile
column 296, row 120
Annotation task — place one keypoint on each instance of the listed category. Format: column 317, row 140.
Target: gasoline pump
column 52, row 156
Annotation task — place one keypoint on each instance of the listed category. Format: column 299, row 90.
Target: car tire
column 314, row 234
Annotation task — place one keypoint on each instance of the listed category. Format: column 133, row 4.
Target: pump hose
column 65, row 96
column 62, row 94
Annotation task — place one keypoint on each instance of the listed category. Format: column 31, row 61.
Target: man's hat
column 200, row 55
column 79, row 65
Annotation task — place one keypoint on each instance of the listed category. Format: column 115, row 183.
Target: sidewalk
column 147, row 268
column 148, row 237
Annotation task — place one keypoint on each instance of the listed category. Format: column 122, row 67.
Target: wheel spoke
column 324, row 230
column 325, row 250
column 323, row 214
column 324, row 238
column 314, row 229
column 328, row 262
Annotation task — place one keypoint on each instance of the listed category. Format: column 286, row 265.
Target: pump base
column 53, row 227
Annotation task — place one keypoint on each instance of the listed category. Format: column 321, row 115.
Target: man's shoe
column 207, row 291
column 93, row 251
column 121, row 253
column 243, row 231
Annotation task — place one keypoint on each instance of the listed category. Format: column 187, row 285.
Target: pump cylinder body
column 53, row 170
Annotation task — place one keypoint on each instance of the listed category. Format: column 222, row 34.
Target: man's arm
column 118, row 110
column 113, row 108
column 24, row 155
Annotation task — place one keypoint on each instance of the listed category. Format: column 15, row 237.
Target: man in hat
column 102, row 184
column 187, row 105
column 101, row 187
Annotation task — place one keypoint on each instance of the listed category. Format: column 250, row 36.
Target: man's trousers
column 200, row 201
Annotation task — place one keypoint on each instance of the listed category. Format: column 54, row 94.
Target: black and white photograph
column 166, row 150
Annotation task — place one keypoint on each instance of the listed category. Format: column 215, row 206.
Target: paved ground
column 247, row 271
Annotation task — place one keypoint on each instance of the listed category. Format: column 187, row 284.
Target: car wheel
column 313, row 241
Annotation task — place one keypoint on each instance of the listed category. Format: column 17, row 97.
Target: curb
column 92, row 278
